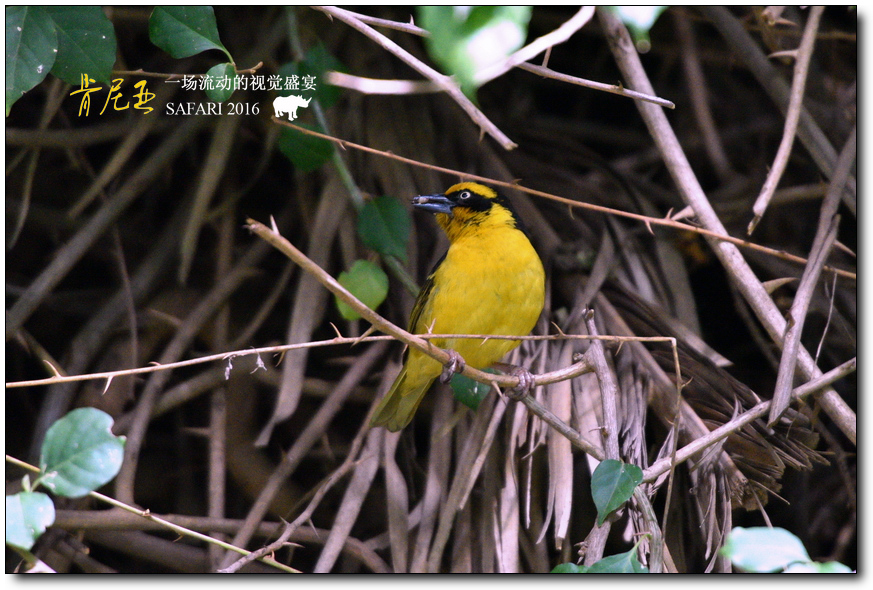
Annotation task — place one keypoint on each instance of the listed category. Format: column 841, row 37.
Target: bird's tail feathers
column 396, row 409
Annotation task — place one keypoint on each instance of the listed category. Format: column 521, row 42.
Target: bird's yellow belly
column 479, row 289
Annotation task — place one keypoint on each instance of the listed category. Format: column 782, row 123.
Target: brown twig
column 796, row 320
column 795, row 104
column 445, row 82
column 611, row 88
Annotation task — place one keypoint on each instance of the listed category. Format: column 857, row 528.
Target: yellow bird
column 490, row 281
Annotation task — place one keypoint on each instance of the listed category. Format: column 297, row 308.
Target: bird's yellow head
column 469, row 206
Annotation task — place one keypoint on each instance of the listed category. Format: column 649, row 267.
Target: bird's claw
column 456, row 364
column 525, row 381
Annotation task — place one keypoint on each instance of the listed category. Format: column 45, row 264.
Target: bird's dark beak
column 434, row 204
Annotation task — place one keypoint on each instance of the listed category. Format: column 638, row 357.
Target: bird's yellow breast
column 490, row 282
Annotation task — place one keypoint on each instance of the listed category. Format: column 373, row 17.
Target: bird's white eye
column 464, row 196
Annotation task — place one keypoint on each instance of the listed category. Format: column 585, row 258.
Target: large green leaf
column 384, row 225
column 31, row 49
column 612, row 484
column 466, row 39
column 80, row 453
column 183, row 31
column 367, row 282
column 28, row 515
column 86, row 43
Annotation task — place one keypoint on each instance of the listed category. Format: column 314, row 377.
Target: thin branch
column 697, row 90
column 611, row 88
column 390, row 24
column 378, row 86
column 796, row 320
column 445, row 82
column 530, row 51
column 551, row 377
column 609, row 393
column 795, row 105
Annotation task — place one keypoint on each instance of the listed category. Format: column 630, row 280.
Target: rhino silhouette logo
column 289, row 104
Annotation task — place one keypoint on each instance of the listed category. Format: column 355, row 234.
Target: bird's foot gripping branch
column 455, row 365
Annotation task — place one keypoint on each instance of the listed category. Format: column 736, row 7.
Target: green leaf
column 468, row 391
column 464, row 40
column 384, row 225
column 306, row 152
column 623, row 563
column 80, row 453
column 762, row 549
column 220, row 86
column 31, row 49
column 310, row 72
column 569, row 568
column 183, row 31
column 612, row 484
column 86, row 43
column 28, row 515
column 367, row 282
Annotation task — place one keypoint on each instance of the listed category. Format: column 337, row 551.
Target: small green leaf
column 219, row 86
column 623, row 563
column 31, row 49
column 569, row 568
column 468, row 391
column 384, row 225
column 306, row 152
column 80, row 453
column 86, row 43
column 367, row 282
column 183, row 31
column 28, row 515
column 612, row 484
column 763, row 549
column 464, row 40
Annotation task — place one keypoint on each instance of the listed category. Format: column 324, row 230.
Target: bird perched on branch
column 490, row 281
